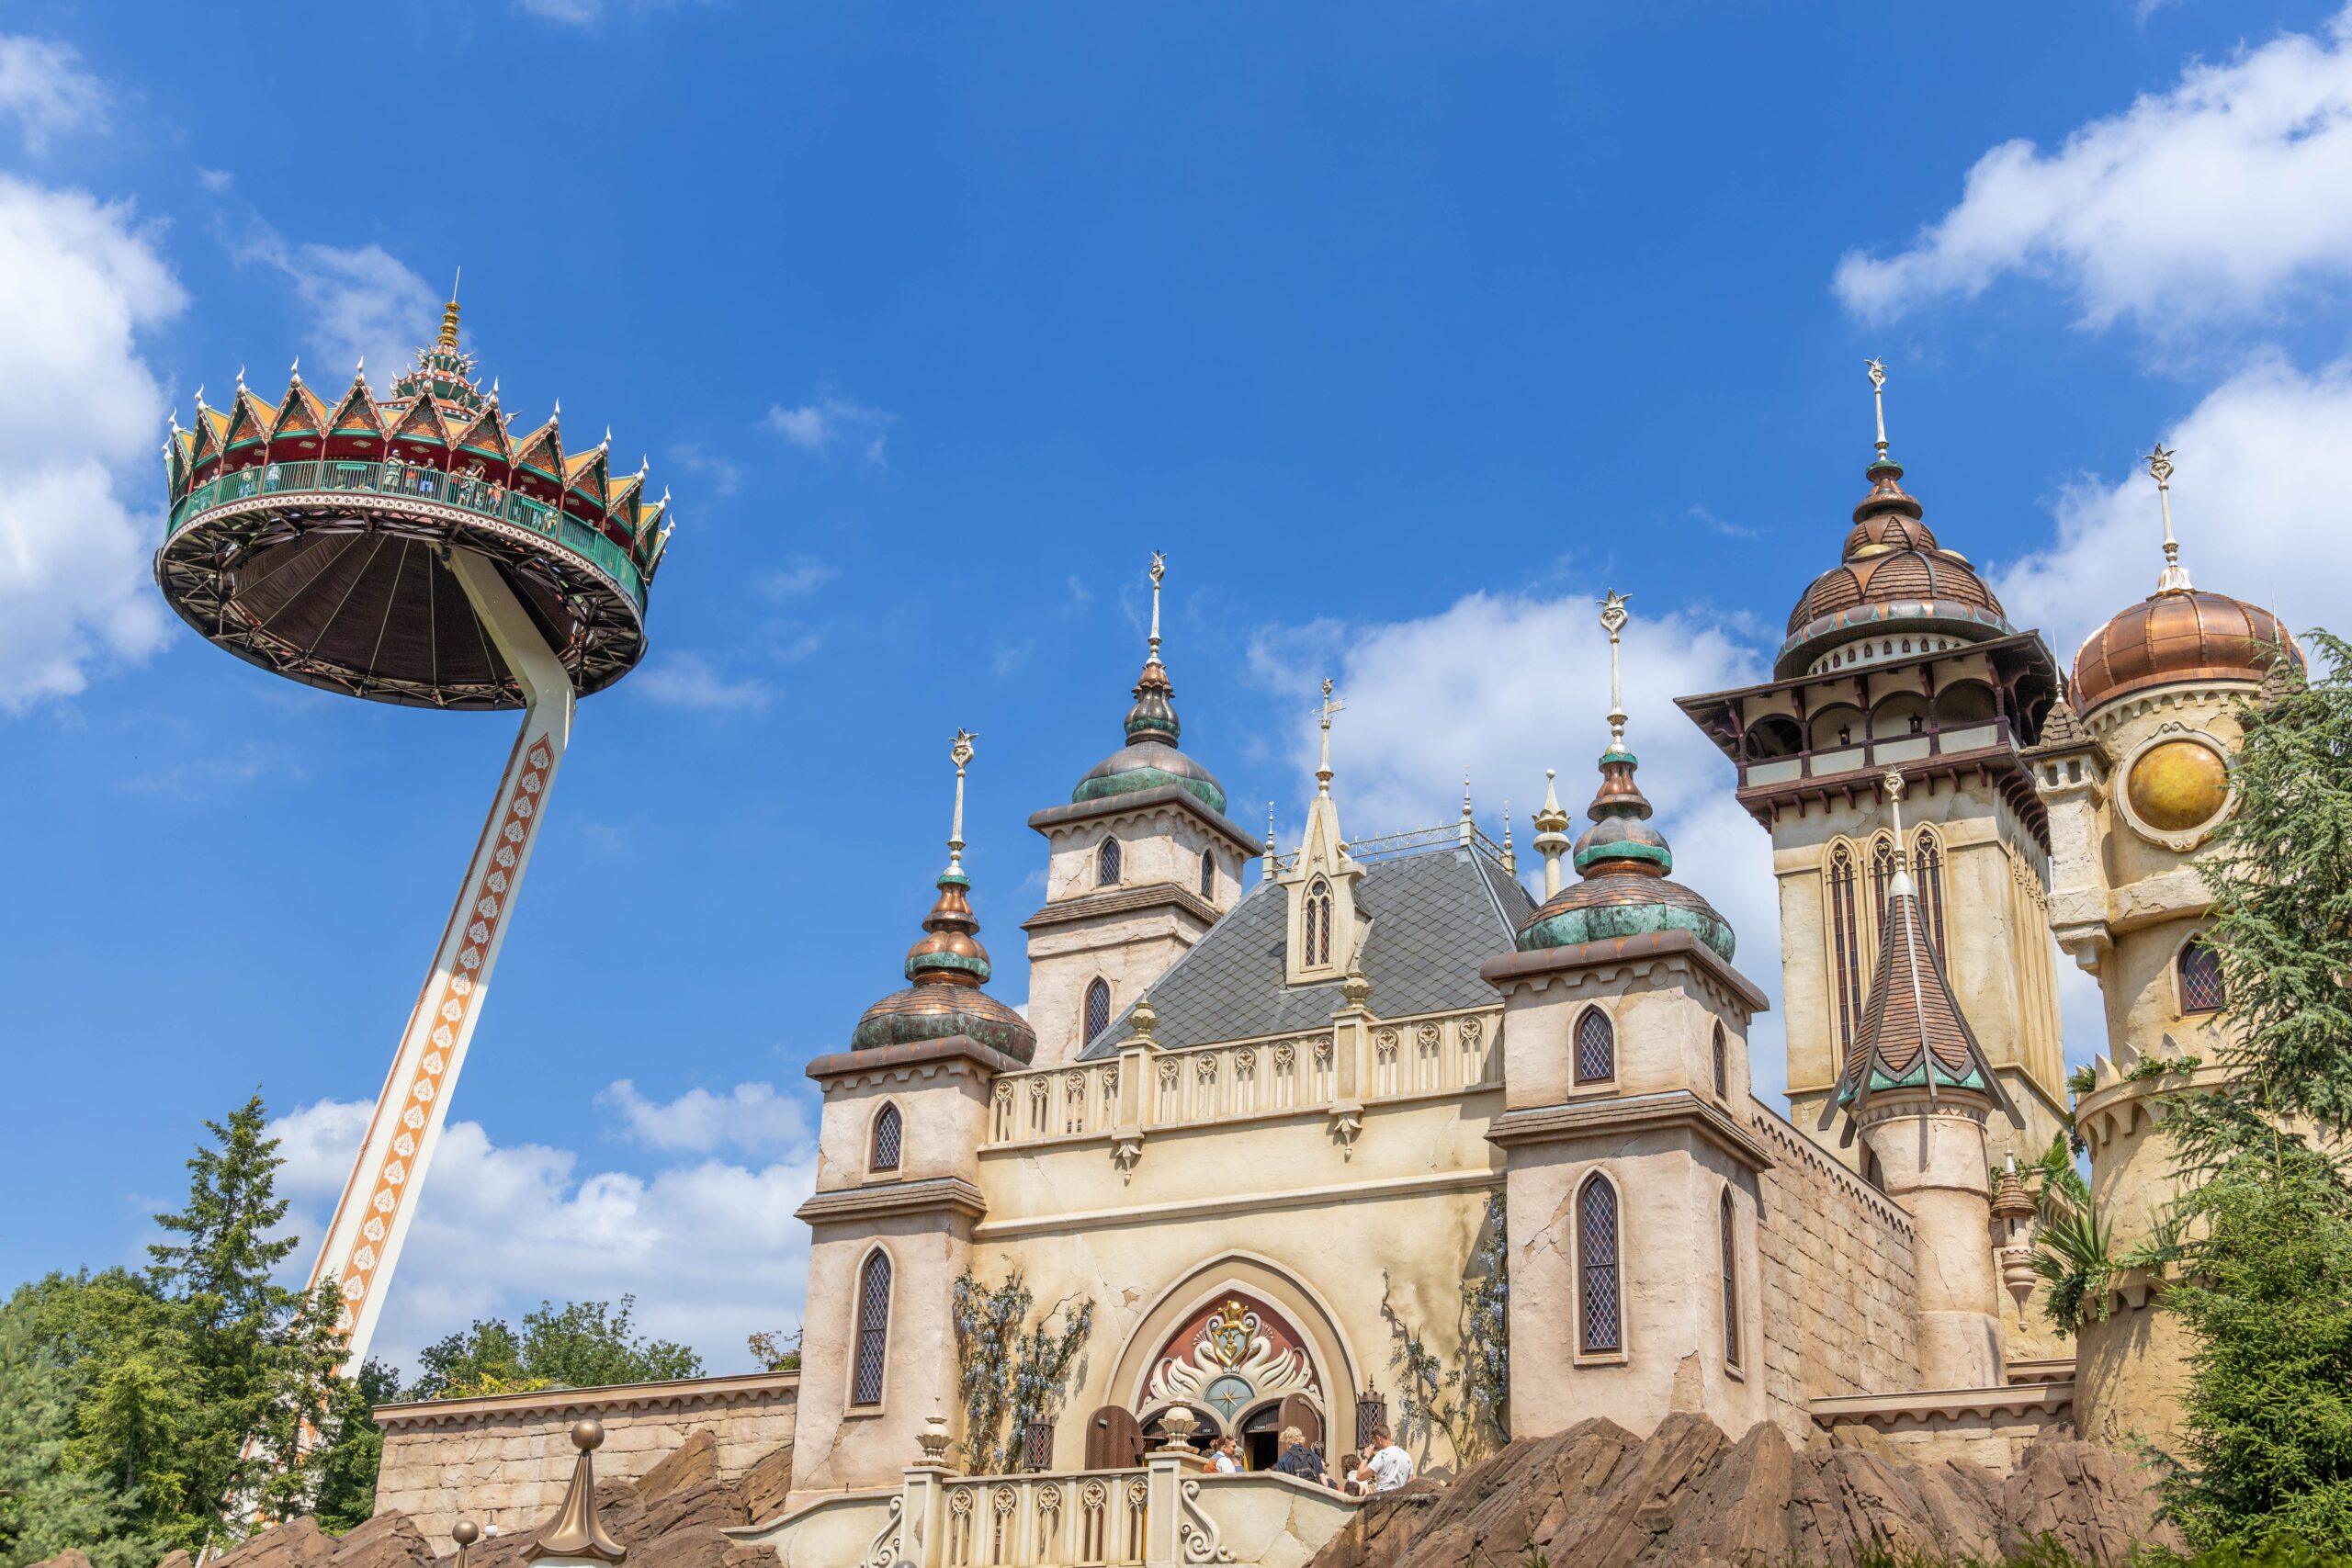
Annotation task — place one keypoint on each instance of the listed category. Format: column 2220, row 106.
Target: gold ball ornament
column 2177, row 786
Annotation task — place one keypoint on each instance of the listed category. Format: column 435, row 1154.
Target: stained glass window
column 1596, row 1047
column 1319, row 922
column 1723, row 1066
column 888, row 1131
column 1731, row 1286
column 1208, row 874
column 873, row 1330
column 1881, row 879
column 1098, row 1010
column 2200, row 977
column 1106, row 863
column 1598, row 1311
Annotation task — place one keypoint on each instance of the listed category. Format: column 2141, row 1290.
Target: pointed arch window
column 1098, row 1009
column 1927, row 870
column 1319, row 922
column 1882, row 880
column 1208, row 874
column 890, row 1131
column 1731, row 1280
column 1600, row 1295
column 1106, row 863
column 1845, row 948
column 1596, row 1047
column 2201, row 989
column 873, row 1330
column 1722, row 1063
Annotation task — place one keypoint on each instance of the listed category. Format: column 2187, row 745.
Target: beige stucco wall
column 504, row 1460
column 1838, row 1280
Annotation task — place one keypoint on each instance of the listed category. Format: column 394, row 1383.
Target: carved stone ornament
column 1235, row 1362
column 1384, row 1042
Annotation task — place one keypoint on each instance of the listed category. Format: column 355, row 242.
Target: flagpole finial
column 1613, row 621
column 960, row 752
column 1878, row 397
column 1331, row 704
column 2174, row 578
column 1159, row 570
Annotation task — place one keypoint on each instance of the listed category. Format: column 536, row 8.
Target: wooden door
column 1299, row 1411
column 1114, row 1440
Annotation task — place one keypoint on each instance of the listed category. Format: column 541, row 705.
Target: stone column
column 1933, row 1161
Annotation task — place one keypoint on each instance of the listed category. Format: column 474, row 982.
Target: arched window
column 1599, row 1326
column 1928, row 866
column 1845, row 948
column 1208, row 874
column 1098, row 1010
column 1596, row 1047
column 1882, row 881
column 1731, row 1283
column 1106, row 863
column 2200, row 977
column 1723, row 1066
column 889, row 1130
column 1319, row 922
column 873, row 1330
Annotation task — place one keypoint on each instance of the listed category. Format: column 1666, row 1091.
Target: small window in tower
column 1845, row 946
column 1927, row 856
column 1208, row 874
column 889, row 1130
column 1319, row 922
column 2200, row 977
column 1596, row 1047
column 1598, row 1319
column 1098, row 1010
column 1722, row 1065
column 1106, row 863
column 1731, row 1284
column 873, row 1330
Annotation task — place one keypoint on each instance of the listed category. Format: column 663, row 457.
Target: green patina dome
column 949, row 968
column 1150, row 759
column 1624, row 890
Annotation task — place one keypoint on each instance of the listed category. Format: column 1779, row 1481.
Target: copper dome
column 1893, row 577
column 2181, row 634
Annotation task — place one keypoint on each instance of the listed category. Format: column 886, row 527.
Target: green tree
column 578, row 1345
column 47, row 1502
column 2262, row 1269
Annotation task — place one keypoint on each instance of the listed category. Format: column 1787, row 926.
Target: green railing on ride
column 478, row 496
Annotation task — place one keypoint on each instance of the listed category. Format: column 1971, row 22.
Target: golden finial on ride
column 2175, row 579
column 448, row 338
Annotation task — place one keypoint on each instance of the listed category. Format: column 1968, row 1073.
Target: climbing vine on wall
column 1012, row 1372
column 1470, row 1402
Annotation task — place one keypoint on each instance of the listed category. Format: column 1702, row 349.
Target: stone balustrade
column 1359, row 1059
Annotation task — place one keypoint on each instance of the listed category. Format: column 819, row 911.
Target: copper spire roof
column 1913, row 1034
column 1150, row 759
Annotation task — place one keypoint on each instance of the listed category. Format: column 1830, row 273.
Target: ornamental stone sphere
column 2177, row 786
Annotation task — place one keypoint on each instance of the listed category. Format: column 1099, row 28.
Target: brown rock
column 73, row 1557
column 2099, row 1504
column 175, row 1560
column 297, row 1543
column 766, row 1483
column 713, row 1504
column 690, row 1463
column 388, row 1541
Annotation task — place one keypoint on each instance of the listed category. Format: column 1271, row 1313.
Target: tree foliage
column 1011, row 1371
column 578, row 1345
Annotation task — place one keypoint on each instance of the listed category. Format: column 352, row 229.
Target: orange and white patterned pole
column 379, row 1202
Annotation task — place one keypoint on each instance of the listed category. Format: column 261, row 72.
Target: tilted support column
column 372, row 1219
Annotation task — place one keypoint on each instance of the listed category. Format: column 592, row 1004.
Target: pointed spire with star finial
column 2174, row 578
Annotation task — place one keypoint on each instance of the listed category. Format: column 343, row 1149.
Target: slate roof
column 1436, row 916
column 1913, row 1025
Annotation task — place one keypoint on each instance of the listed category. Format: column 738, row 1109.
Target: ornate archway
column 1291, row 1316
column 1233, row 1355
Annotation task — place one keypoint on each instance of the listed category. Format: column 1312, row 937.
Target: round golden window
column 2177, row 786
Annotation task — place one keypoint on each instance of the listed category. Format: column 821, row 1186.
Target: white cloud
column 826, row 419
column 1505, row 686
column 750, row 1116
column 577, row 13
column 2258, row 502
column 81, row 418
column 44, row 89
column 2210, row 201
column 709, row 1249
column 723, row 476
column 802, row 574
column 362, row 300
column 689, row 680
column 219, row 182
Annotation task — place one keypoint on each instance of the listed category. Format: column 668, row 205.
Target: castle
column 1266, row 1126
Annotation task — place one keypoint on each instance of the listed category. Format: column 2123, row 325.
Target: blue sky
column 1403, row 329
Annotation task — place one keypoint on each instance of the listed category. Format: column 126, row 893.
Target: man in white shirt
column 1226, row 1458
column 1387, row 1467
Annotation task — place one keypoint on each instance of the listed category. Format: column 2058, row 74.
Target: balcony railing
column 412, row 481
column 1144, row 1087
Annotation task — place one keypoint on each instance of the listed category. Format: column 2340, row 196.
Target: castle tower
column 898, row 1194
column 2134, row 775
column 1900, row 654
column 1139, row 865
column 1917, row 1087
column 1630, row 1178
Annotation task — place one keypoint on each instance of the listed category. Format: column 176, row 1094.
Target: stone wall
column 1837, row 1267
column 504, row 1460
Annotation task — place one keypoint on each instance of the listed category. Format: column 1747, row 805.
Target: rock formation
column 1596, row 1496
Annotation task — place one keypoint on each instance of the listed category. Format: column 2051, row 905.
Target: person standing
column 1298, row 1458
column 1227, row 1458
column 1387, row 1467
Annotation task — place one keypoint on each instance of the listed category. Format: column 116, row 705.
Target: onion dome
column 1622, row 861
column 1150, row 759
column 2179, row 634
column 1893, row 577
column 947, row 967
column 1913, row 1034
